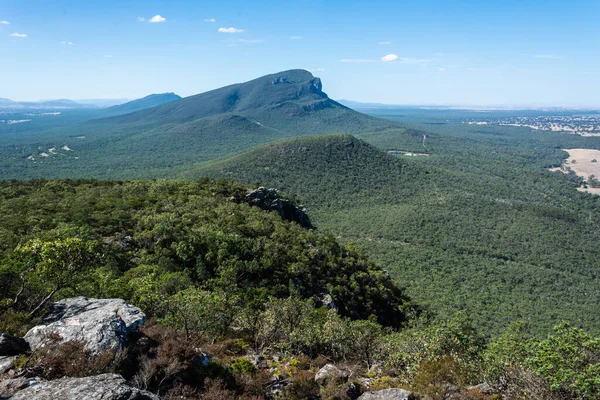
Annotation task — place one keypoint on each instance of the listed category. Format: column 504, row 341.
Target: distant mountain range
column 116, row 106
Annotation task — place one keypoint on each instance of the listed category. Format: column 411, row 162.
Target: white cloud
column 141, row 19
column 20, row 35
column 67, row 43
column 296, row 38
column 108, row 56
column 442, row 70
column 210, row 20
column 230, row 30
column 384, row 43
column 4, row 23
column 157, row 19
column 390, row 58
column 317, row 70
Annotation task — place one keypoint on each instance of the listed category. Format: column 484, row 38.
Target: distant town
column 581, row 125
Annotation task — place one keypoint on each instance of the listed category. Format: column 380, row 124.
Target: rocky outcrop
column 388, row 394
column 99, row 387
column 269, row 200
column 11, row 345
column 7, row 363
column 102, row 324
column 9, row 387
column 326, row 300
column 330, row 373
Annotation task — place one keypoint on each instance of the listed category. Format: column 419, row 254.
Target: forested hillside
column 242, row 304
column 500, row 239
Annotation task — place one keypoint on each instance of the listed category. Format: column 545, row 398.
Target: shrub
column 303, row 387
column 242, row 365
column 13, row 322
column 56, row 360
column 569, row 361
column 215, row 390
column 438, row 377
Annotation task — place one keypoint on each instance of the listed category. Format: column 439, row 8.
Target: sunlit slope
column 453, row 242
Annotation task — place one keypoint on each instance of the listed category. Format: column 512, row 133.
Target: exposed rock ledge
column 269, row 199
column 102, row 324
column 99, row 387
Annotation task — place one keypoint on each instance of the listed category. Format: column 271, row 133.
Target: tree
column 199, row 313
column 367, row 336
column 58, row 264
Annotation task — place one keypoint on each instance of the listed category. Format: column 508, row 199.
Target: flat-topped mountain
column 291, row 102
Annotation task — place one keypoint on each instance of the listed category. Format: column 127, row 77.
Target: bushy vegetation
column 481, row 227
column 236, row 299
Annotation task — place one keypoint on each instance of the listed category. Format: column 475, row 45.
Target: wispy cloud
column 390, row 58
column 548, row 56
column 67, row 43
column 442, row 70
column 313, row 70
column 296, row 38
column 141, row 19
column 4, row 22
column 211, row 20
column 384, row 43
column 19, row 35
column 108, row 56
column 230, row 30
column 157, row 19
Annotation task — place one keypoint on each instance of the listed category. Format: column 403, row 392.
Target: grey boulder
column 101, row 324
column 388, row 394
column 7, row 363
column 99, row 387
column 330, row 373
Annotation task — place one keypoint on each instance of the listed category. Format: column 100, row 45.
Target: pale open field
column 584, row 162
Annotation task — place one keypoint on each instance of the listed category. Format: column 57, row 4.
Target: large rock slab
column 102, row 324
column 11, row 345
column 99, row 387
column 388, row 394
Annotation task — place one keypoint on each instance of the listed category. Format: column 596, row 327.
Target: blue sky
column 505, row 52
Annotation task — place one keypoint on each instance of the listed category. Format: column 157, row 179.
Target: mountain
column 6, row 102
column 152, row 100
column 61, row 103
column 102, row 102
column 165, row 140
column 291, row 102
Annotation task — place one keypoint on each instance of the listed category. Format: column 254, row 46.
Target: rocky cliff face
column 269, row 199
